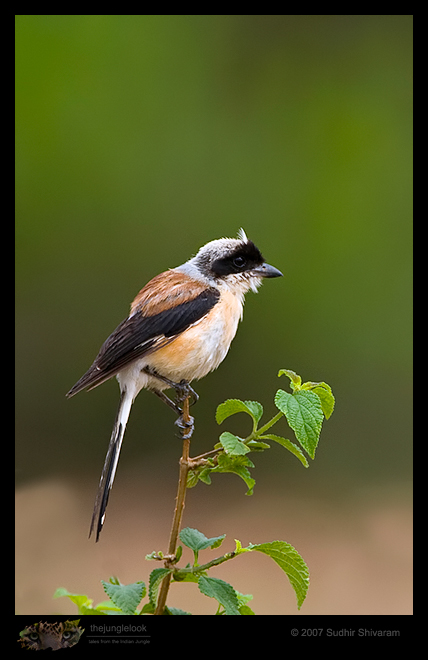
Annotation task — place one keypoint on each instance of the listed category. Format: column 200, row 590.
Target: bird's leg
column 169, row 402
column 183, row 390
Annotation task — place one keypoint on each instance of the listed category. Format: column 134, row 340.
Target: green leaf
column 233, row 406
column 323, row 390
column 244, row 608
column 82, row 601
column 152, row 555
column 226, row 463
column 289, row 560
column 256, row 409
column 288, row 445
column 294, row 378
column 104, row 607
column 237, row 465
column 196, row 541
column 233, row 445
column 243, row 599
column 305, row 416
column 223, row 593
column 255, row 445
column 187, row 577
column 156, row 577
column 62, row 591
column 96, row 611
column 204, row 476
column 125, row 596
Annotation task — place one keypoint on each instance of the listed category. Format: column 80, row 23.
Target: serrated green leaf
column 192, row 478
column 233, row 406
column 155, row 579
column 256, row 410
column 289, row 560
column 223, row 593
column 204, row 475
column 233, row 445
column 323, row 390
column 327, row 401
column 196, row 540
column 305, row 416
column 217, row 543
column 237, row 465
column 233, row 464
column 125, row 596
column 294, row 378
column 281, row 400
column 225, row 461
column 290, row 446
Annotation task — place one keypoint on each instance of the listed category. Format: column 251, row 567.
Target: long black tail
column 110, row 464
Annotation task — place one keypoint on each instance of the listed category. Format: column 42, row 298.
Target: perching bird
column 180, row 328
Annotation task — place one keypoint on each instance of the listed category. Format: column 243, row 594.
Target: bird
column 179, row 329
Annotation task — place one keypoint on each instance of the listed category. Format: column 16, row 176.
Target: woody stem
column 179, row 508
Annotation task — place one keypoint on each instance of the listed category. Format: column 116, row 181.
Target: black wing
column 140, row 335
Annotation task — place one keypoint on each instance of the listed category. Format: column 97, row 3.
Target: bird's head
column 235, row 263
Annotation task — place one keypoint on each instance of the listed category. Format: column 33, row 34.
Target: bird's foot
column 184, row 390
column 186, row 426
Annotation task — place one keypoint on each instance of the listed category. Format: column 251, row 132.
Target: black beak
column 265, row 270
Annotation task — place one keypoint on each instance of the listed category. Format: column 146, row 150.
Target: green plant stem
column 204, row 567
column 178, row 514
column 267, row 426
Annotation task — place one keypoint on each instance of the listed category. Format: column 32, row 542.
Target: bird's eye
column 239, row 262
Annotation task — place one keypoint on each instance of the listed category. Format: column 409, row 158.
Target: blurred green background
column 140, row 138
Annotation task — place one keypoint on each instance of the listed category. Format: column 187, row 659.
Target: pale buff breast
column 203, row 346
